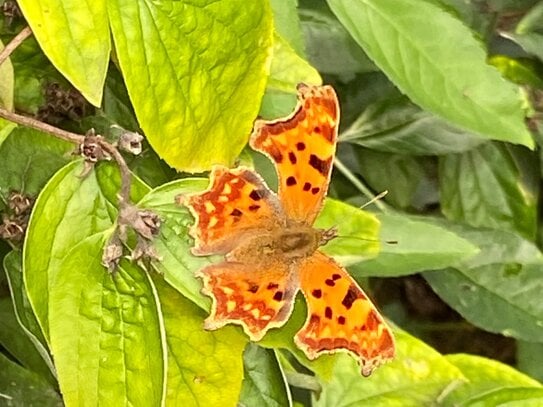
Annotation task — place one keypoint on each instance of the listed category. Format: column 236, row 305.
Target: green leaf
column 6, row 83
column 24, row 314
column 358, row 231
column 403, row 176
column 417, row 376
column 484, row 375
column 288, row 69
column 116, row 354
column 396, row 125
column 68, row 210
column 173, row 243
column 492, row 186
column 22, row 387
column 410, row 245
column 75, row 37
column 502, row 298
column 204, row 368
column 330, row 47
column 195, row 72
column 29, row 159
column 532, row 20
column 287, row 23
column 410, row 41
column 16, row 342
column 519, row 396
column 530, row 42
column 530, row 358
column 264, row 383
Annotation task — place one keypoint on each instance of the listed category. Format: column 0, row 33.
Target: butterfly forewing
column 236, row 203
column 302, row 147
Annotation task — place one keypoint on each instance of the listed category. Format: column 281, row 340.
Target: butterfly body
column 271, row 247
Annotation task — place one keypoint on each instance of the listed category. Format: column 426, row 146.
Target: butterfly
column 271, row 248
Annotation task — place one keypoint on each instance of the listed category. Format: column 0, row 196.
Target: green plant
column 434, row 98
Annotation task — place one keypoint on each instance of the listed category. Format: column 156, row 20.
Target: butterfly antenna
column 375, row 199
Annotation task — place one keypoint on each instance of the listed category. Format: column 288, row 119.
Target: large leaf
column 515, row 396
column 22, row 387
column 204, row 368
column 410, row 245
column 530, row 358
column 195, row 72
column 417, row 376
column 105, row 330
column 264, row 383
column 492, row 186
column 411, row 42
column 484, row 375
column 68, row 210
column 75, row 37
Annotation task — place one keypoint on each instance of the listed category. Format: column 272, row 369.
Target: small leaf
column 287, row 23
column 530, row 42
column 491, row 186
column 75, row 37
column 195, row 73
column 264, row 383
column 29, row 159
column 14, row 339
column 204, row 368
column 288, row 69
column 23, row 311
column 410, row 245
column 410, row 41
column 173, row 243
column 501, row 298
column 22, row 387
column 484, row 375
column 330, row 47
column 417, row 376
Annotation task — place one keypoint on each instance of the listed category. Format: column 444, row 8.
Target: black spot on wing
column 322, row 166
column 350, row 297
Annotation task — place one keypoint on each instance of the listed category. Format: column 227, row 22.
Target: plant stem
column 14, row 43
column 356, row 182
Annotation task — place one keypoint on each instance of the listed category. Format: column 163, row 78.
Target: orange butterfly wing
column 302, row 146
column 236, row 203
column 340, row 316
column 256, row 297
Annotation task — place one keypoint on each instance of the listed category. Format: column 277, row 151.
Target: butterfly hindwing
column 257, row 298
column 340, row 316
column 302, row 147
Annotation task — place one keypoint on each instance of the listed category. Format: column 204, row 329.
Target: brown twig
column 14, row 43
